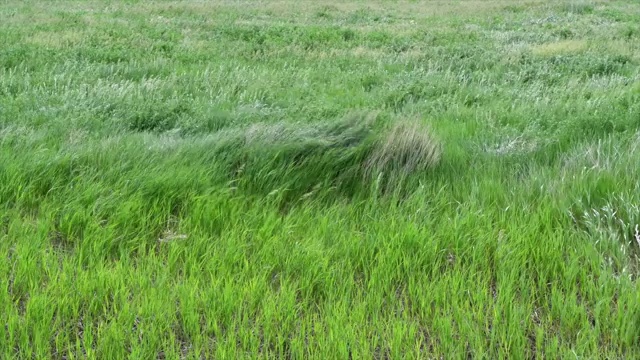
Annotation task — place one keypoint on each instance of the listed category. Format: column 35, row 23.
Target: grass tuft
column 407, row 148
column 347, row 154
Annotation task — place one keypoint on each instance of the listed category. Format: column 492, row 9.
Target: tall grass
column 186, row 180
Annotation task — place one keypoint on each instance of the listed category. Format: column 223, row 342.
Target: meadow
column 294, row 179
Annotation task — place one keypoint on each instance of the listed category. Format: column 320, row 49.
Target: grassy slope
column 123, row 231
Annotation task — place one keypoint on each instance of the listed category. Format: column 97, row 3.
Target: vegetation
column 300, row 179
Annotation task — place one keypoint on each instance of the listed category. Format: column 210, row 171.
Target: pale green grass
column 293, row 179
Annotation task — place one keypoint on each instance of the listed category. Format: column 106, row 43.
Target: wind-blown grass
column 351, row 154
column 286, row 179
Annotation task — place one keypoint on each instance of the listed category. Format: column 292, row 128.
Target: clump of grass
column 294, row 158
column 407, row 148
column 347, row 154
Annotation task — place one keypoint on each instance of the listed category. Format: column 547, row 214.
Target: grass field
column 328, row 180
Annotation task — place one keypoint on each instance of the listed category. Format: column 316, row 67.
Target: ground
column 304, row 179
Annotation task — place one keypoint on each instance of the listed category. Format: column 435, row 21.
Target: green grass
column 290, row 179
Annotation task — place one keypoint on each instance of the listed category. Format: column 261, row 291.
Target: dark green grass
column 234, row 179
